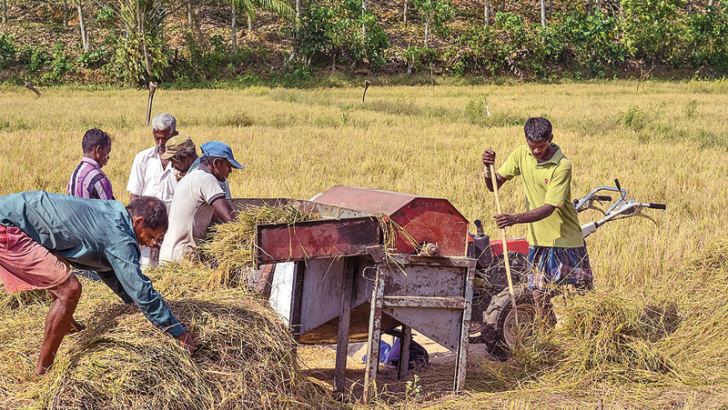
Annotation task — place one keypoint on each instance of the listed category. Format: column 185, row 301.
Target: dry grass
column 666, row 143
column 247, row 358
column 230, row 248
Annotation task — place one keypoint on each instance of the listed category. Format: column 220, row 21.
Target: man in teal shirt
column 42, row 233
column 557, row 253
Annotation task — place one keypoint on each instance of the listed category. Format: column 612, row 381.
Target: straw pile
column 19, row 300
column 246, row 357
column 230, row 248
column 670, row 337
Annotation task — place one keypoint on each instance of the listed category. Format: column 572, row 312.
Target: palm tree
column 142, row 23
column 249, row 7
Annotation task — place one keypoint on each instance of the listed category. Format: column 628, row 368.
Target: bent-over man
column 557, row 253
column 42, row 233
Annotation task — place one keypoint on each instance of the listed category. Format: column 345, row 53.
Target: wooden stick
column 494, row 181
column 32, row 88
column 152, row 89
column 366, row 87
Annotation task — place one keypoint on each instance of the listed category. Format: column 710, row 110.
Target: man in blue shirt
column 42, row 233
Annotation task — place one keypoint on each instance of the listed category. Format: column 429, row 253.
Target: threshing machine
column 349, row 277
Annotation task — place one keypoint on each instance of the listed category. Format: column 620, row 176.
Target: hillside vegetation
column 300, row 42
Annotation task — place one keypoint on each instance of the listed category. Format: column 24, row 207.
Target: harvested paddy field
column 651, row 335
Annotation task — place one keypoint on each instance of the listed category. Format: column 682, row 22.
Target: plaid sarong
column 550, row 266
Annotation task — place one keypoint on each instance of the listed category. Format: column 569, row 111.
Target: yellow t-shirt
column 546, row 183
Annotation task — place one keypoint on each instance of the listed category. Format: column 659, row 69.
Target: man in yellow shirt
column 557, row 253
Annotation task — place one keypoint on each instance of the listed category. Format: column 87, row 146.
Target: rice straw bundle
column 247, row 358
column 230, row 247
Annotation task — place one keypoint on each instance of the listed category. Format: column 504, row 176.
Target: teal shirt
column 91, row 234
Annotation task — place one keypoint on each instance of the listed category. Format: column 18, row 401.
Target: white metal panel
column 281, row 293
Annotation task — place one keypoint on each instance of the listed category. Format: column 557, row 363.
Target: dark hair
column 95, row 138
column 151, row 209
column 537, row 129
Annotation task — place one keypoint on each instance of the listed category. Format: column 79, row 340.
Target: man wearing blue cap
column 200, row 186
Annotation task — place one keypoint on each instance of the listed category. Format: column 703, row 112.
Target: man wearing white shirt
column 153, row 176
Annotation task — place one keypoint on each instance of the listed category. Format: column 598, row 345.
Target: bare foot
column 40, row 369
column 76, row 327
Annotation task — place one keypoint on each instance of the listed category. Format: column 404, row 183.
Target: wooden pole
column 505, row 244
column 150, row 100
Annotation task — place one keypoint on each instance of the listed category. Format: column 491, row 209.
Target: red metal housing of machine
column 430, row 220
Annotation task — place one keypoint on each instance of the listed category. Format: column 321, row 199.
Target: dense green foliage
column 7, row 50
column 338, row 31
column 674, row 38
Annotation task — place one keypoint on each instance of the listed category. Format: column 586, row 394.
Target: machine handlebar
column 623, row 207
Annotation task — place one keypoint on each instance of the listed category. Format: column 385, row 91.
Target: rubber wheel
column 500, row 321
column 487, row 282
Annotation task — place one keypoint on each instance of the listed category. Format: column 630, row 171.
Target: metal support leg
column 342, row 342
column 462, row 353
column 375, row 322
column 404, row 352
column 295, row 320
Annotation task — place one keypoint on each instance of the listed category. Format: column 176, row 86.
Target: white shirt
column 148, row 178
column 185, row 225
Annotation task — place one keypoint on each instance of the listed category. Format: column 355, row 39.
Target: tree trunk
column 486, row 13
column 333, row 63
column 65, row 13
column 543, row 13
column 82, row 26
column 298, row 10
column 190, row 16
column 363, row 13
column 5, row 12
column 427, row 32
column 234, row 30
column 250, row 23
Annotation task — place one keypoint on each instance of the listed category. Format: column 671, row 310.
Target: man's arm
column 489, row 181
column 510, row 167
column 124, row 260
column 557, row 195
column 534, row 215
column 222, row 209
column 102, row 186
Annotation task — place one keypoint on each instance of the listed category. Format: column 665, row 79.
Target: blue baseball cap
column 220, row 150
